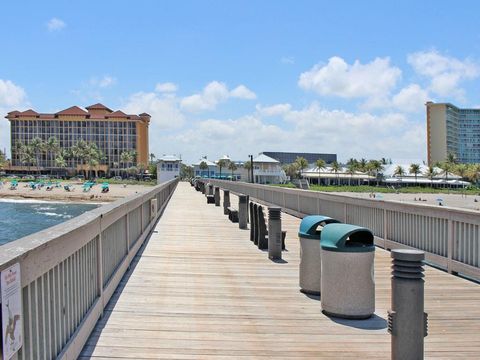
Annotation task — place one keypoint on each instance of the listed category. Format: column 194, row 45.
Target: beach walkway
column 199, row 289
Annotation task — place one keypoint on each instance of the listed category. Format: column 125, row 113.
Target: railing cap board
column 445, row 212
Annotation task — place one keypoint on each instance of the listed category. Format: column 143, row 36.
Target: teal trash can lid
column 347, row 238
column 309, row 224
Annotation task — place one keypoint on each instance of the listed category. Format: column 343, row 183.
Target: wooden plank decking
column 201, row 290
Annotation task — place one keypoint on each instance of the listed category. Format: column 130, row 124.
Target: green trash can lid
column 309, row 225
column 347, row 238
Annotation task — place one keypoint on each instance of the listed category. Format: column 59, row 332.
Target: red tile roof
column 73, row 110
column 117, row 113
column 98, row 106
column 28, row 112
column 76, row 110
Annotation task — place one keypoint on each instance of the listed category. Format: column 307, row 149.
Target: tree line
column 375, row 167
column 87, row 154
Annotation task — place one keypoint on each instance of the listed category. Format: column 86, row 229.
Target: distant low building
column 168, row 168
column 440, row 179
column 328, row 176
column 267, row 170
column 387, row 176
column 290, row 157
column 209, row 171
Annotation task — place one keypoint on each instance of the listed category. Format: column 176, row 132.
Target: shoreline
column 116, row 192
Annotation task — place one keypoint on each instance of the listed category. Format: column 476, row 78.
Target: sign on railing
column 12, row 319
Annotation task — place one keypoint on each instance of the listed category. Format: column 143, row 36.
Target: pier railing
column 70, row 271
column 450, row 237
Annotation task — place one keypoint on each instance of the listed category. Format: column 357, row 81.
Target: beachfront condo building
column 451, row 130
column 114, row 132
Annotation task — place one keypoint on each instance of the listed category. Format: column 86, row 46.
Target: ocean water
column 19, row 218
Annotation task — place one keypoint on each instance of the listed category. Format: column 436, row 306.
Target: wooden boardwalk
column 201, row 290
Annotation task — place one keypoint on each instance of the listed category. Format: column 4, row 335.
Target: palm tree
column 362, row 165
column 248, row 167
column 446, row 167
column 451, row 158
column 60, row 162
column 141, row 168
column 3, row 159
column 92, row 156
column 80, row 153
column 415, row 169
column 352, row 161
column 376, row 166
column 126, row 158
column 336, row 168
column 473, row 173
column 27, row 156
column 222, row 163
column 52, row 147
column 203, row 166
column 152, row 157
column 461, row 170
column 38, row 146
column 301, row 163
column 351, row 168
column 431, row 172
column 399, row 171
column 132, row 170
column 291, row 170
column 232, row 166
column 320, row 163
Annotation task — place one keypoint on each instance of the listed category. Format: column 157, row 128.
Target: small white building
column 209, row 171
column 168, row 168
column 267, row 170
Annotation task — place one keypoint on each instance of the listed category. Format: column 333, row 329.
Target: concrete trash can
column 310, row 261
column 347, row 283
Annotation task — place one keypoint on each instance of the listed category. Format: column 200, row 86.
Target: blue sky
column 240, row 77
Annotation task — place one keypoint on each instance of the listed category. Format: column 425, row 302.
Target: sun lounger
column 68, row 188
column 13, row 185
column 105, row 187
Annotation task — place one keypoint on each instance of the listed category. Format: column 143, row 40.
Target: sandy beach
column 117, row 191
column 458, row 201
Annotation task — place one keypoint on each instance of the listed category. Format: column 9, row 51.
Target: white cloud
column 214, row 137
column 287, row 60
column 103, row 82
column 242, row 92
column 444, row 72
column 12, row 97
column 11, row 94
column 273, row 110
column 411, row 98
column 55, row 24
column 356, row 134
column 213, row 94
column 167, row 87
column 373, row 80
column 164, row 110
column 312, row 128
